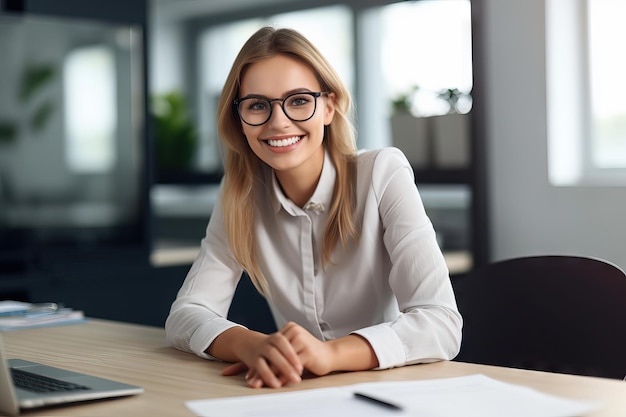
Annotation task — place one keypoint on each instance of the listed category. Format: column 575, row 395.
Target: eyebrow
column 287, row 93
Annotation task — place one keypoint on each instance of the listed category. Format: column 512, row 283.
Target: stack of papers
column 20, row 315
column 468, row 396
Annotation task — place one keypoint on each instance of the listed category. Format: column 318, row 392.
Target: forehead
column 275, row 76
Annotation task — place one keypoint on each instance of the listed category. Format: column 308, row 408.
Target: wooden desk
column 139, row 355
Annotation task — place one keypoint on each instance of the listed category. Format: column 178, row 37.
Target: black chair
column 562, row 314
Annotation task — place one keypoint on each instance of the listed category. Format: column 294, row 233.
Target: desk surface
column 457, row 261
column 139, row 355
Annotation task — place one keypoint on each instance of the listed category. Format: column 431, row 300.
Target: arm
column 198, row 315
column 429, row 325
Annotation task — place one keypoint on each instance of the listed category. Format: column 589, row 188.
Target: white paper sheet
column 12, row 307
column 469, row 396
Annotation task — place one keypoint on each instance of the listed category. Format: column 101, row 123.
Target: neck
column 299, row 184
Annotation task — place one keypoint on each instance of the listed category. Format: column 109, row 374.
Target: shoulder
column 376, row 169
column 382, row 161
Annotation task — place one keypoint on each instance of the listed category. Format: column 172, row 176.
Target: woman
column 337, row 241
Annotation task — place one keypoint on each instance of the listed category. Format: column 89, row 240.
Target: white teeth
column 283, row 142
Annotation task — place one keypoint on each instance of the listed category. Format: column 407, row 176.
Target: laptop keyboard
column 38, row 383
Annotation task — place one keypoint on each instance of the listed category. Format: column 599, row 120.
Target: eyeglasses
column 298, row 107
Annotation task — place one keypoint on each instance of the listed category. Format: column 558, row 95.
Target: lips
column 279, row 143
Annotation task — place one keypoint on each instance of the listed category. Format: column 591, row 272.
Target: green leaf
column 175, row 134
column 42, row 115
column 8, row 132
column 33, row 79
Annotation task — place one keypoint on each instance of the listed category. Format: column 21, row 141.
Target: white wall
column 528, row 215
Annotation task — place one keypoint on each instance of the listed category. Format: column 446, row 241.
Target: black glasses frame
column 314, row 94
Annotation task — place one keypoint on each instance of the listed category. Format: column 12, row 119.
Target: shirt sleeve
column 198, row 315
column 429, row 326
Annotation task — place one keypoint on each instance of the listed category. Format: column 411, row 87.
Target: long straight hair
column 243, row 169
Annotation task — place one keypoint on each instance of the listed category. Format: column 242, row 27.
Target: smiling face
column 290, row 148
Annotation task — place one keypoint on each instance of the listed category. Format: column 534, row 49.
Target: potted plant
column 451, row 132
column 175, row 135
column 34, row 79
column 409, row 132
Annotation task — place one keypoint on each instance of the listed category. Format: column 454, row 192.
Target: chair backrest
column 552, row 313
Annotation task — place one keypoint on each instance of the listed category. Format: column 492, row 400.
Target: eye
column 299, row 100
column 256, row 104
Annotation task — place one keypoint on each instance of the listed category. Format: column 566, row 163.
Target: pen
column 373, row 400
column 43, row 308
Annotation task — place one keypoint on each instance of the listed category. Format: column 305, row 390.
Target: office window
column 90, row 109
column 423, row 44
column 607, row 86
column 427, row 44
column 585, row 92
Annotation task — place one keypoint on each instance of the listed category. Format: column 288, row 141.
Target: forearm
column 230, row 345
column 352, row 353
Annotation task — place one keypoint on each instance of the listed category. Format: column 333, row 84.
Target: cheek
column 248, row 132
column 251, row 135
column 320, row 128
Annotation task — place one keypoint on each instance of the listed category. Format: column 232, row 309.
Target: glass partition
column 71, row 126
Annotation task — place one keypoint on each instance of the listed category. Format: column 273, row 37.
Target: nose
column 278, row 116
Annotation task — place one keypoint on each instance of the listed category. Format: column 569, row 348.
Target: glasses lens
column 299, row 107
column 254, row 111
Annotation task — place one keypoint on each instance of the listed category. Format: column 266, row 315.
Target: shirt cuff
column 386, row 343
column 206, row 334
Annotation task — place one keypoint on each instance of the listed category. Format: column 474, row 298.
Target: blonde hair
column 243, row 169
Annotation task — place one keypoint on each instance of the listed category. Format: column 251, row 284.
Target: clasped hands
column 281, row 358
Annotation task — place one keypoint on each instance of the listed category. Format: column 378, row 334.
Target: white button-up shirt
column 392, row 287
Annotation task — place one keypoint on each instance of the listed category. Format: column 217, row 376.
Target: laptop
column 50, row 386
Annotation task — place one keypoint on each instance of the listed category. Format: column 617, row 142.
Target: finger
column 293, row 379
column 254, row 381
column 283, row 344
column 234, row 369
column 294, row 334
column 290, row 325
column 281, row 365
column 262, row 374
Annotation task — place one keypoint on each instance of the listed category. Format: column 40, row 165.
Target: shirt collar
column 321, row 198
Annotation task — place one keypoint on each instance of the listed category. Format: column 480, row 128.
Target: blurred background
column 511, row 114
